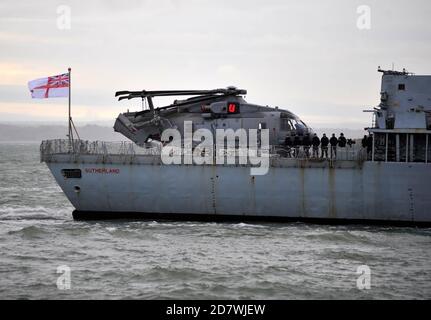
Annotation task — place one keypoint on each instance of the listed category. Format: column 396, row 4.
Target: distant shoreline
column 38, row 132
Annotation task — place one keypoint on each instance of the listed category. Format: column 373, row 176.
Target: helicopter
column 223, row 108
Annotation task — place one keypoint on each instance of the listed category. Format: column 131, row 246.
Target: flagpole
column 70, row 114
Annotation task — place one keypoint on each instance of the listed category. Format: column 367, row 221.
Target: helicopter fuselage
column 219, row 112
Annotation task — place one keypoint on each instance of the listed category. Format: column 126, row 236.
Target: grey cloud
column 305, row 55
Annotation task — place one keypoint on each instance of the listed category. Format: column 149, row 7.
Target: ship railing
column 49, row 148
column 348, row 153
column 77, row 148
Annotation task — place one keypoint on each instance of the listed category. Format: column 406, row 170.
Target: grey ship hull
column 299, row 190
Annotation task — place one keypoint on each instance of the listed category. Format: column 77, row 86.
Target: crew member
column 342, row 144
column 364, row 141
column 342, row 141
column 316, row 143
column 324, row 145
column 350, row 142
column 306, row 142
column 333, row 141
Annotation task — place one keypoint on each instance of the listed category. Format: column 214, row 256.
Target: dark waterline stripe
column 103, row 215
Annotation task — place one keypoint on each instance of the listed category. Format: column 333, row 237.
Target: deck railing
column 125, row 148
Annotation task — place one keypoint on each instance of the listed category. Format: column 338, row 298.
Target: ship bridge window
column 262, row 125
column 401, row 86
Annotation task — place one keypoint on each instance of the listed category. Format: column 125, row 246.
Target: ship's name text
column 103, row 170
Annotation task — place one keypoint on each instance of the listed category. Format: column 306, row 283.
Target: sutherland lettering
column 103, row 170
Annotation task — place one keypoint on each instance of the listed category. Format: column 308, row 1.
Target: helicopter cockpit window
column 285, row 124
column 300, row 126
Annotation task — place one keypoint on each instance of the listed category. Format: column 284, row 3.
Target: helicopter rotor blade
column 159, row 93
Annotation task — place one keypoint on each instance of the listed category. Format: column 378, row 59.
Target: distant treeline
column 19, row 132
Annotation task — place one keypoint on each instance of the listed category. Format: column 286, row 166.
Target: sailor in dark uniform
column 316, row 143
column 342, row 141
column 324, row 145
column 306, row 142
column 333, row 141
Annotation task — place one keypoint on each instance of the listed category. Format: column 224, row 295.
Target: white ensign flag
column 50, row 87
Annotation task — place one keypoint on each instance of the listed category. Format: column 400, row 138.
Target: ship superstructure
column 402, row 120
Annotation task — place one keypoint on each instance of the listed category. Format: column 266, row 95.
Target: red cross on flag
column 51, row 87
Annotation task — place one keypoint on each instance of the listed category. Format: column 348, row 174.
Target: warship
column 388, row 182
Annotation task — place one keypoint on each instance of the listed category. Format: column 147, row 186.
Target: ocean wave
column 243, row 225
column 33, row 213
column 338, row 236
column 30, row 232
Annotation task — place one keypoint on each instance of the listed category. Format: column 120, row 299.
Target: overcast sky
column 309, row 57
